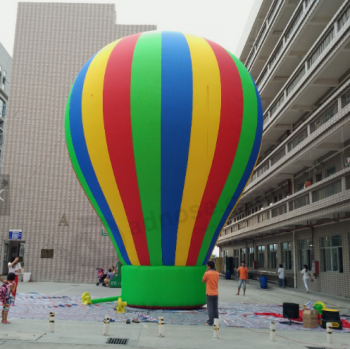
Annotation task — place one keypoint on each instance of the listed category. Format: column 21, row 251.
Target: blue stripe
column 246, row 175
column 80, row 148
column 175, row 134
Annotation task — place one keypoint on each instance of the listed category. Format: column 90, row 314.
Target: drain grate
column 315, row 347
column 121, row 341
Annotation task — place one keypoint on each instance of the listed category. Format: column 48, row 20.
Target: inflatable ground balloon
column 163, row 130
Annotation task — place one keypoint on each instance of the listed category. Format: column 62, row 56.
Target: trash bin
column 263, row 281
column 228, row 274
column 26, row 277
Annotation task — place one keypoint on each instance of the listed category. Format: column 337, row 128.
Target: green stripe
column 245, row 145
column 145, row 102
column 81, row 177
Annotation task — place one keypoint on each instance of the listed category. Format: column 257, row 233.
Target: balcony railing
column 294, row 23
column 274, row 9
column 343, row 18
column 327, row 191
column 297, row 139
column 324, row 43
column 322, row 48
column 297, row 20
column 316, row 120
column 313, row 194
column 324, row 117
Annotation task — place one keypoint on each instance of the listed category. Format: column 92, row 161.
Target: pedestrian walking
column 242, row 272
column 211, row 278
column 280, row 273
column 307, row 276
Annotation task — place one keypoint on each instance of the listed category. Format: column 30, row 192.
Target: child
column 8, row 289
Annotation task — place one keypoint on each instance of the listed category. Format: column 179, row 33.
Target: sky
column 222, row 21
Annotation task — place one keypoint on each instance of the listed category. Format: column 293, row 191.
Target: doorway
column 10, row 249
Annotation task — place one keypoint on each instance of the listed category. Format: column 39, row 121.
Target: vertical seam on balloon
column 231, row 116
column 249, row 170
column 94, row 133
column 119, row 138
column 205, row 71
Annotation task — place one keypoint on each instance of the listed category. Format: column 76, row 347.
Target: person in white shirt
column 15, row 267
column 280, row 273
column 306, row 277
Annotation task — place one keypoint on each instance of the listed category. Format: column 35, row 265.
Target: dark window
column 261, row 256
column 330, row 171
column 287, row 259
column 46, row 253
column 272, row 256
column 318, row 177
column 304, row 253
column 332, row 253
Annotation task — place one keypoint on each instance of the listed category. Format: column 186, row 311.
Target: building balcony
column 324, row 67
column 305, row 26
column 269, row 33
column 326, row 129
column 325, row 201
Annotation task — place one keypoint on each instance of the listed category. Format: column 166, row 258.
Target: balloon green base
column 163, row 287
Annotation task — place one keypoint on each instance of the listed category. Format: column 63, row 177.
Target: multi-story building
column 60, row 232
column 5, row 77
column 296, row 208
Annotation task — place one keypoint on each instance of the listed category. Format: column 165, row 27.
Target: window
column 332, row 253
column 261, row 256
column 287, row 259
column 304, row 253
column 235, row 258
column 46, row 253
column 318, row 177
column 272, row 256
column 251, row 257
column 330, row 171
column 243, row 255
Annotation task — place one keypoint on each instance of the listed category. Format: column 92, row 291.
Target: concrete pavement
column 79, row 334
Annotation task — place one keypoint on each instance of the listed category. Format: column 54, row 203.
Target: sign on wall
column 15, row 234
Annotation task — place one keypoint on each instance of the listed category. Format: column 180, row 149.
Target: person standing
column 280, row 273
column 9, row 288
column 242, row 273
column 306, row 277
column 211, row 278
column 15, row 267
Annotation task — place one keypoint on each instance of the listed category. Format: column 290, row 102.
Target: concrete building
column 5, row 78
column 296, row 208
column 54, row 228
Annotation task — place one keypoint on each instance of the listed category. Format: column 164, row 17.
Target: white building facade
column 49, row 221
column 296, row 208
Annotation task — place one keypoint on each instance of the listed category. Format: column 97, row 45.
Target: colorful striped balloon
column 163, row 130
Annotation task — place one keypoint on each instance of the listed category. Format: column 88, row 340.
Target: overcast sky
column 222, row 21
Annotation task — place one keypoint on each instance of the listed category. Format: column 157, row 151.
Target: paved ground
column 79, row 334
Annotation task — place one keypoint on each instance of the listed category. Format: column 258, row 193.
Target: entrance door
column 5, row 258
column 12, row 249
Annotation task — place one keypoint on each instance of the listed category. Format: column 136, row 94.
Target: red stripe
column 117, row 119
column 226, row 146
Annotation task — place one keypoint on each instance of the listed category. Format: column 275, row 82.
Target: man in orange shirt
column 242, row 272
column 211, row 278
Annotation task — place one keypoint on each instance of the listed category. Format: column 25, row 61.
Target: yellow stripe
column 92, row 110
column 204, row 132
